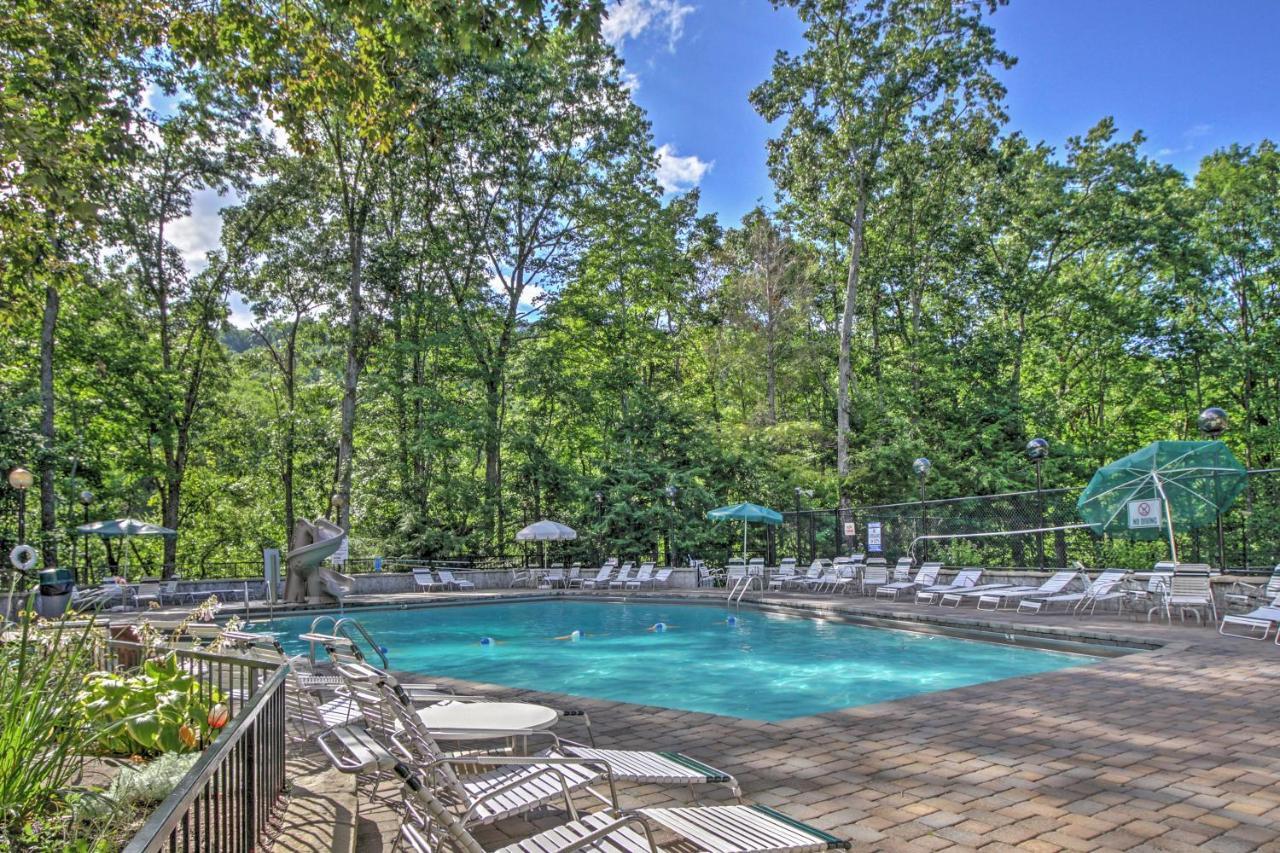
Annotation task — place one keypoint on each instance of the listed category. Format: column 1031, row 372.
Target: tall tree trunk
column 48, row 503
column 848, row 319
column 350, row 378
column 493, row 455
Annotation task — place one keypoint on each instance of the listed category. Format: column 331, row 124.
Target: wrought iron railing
column 228, row 799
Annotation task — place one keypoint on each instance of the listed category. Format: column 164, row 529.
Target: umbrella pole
column 1168, row 517
column 744, row 540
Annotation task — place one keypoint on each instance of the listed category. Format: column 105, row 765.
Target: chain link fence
column 990, row 530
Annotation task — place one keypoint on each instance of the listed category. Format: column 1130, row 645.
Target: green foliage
column 161, row 709
column 42, row 735
column 469, row 296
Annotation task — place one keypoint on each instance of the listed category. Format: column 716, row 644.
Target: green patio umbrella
column 746, row 513
column 123, row 528
column 1165, row 484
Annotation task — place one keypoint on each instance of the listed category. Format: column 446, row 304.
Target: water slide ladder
column 341, row 627
column 740, row 588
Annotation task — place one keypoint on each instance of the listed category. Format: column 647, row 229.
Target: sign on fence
column 340, row 556
column 873, row 536
column 1144, row 514
column 850, row 529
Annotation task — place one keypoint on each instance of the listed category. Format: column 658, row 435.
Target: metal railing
column 230, row 796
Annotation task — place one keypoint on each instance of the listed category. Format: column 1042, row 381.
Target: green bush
column 161, row 709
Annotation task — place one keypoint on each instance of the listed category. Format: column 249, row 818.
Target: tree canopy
column 473, row 306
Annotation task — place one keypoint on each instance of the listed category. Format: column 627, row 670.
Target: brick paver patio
column 1171, row 749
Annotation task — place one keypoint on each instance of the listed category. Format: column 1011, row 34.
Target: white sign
column 850, row 529
column 1144, row 514
column 873, row 536
column 340, row 556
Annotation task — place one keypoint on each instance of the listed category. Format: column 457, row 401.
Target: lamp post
column 921, row 466
column 21, row 479
column 1213, row 423
column 673, row 558
column 1038, row 451
column 86, row 498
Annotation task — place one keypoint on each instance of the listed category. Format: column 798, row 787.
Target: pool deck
column 1175, row 748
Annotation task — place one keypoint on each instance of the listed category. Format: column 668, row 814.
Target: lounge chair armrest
column 610, row 828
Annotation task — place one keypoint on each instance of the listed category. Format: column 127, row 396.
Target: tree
column 71, row 76
column 873, row 75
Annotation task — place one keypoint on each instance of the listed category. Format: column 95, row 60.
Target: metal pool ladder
column 740, row 587
column 339, row 629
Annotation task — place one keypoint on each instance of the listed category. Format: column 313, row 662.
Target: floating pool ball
column 659, row 626
column 486, row 641
column 732, row 620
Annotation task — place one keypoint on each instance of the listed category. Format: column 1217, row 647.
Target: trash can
column 56, row 586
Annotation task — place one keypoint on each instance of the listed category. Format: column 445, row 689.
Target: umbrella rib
column 1124, row 503
column 1190, row 491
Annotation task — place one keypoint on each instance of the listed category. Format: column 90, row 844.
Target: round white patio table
column 479, row 720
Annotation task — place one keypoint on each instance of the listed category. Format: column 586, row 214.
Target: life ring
column 22, row 557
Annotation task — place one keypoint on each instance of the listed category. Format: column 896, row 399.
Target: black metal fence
column 983, row 530
column 228, row 799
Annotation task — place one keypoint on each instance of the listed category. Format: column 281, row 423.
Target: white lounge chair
column 424, row 581
column 1103, row 588
column 1260, row 619
column 927, row 576
column 1246, row 595
column 624, row 575
column 785, row 572
column 430, row 826
column 902, row 570
column 811, row 576
column 966, row 579
column 875, row 574
column 1190, row 591
column 958, row 597
column 996, row 598
column 602, row 577
column 643, row 576
column 1149, row 597
column 450, row 582
column 662, row 578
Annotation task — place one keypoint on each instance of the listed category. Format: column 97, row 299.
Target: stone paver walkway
column 1172, row 749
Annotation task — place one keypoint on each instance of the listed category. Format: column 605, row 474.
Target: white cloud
column 631, row 82
column 200, row 233
column 629, row 19
column 676, row 173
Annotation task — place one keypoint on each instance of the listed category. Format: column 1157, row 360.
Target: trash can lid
column 56, row 576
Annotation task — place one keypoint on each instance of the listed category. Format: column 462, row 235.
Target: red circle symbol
column 1144, row 509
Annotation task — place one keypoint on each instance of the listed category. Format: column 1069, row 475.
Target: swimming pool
column 768, row 666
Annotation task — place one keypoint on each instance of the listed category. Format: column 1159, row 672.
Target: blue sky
column 1193, row 75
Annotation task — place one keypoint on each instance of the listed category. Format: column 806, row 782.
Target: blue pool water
column 766, row 667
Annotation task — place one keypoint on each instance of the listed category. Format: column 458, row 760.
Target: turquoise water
column 766, row 667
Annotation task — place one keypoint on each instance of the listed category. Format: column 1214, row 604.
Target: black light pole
column 21, row 479
column 1213, row 423
column 1037, row 452
column 673, row 559
column 921, row 466
column 86, row 498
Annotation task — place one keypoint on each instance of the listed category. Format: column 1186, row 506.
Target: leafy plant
column 161, row 709
column 41, row 732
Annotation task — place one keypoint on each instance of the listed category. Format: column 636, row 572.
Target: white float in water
column 659, row 626
column 486, row 641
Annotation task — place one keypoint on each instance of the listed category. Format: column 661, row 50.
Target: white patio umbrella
column 546, row 531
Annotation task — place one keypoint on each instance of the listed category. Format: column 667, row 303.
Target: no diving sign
column 1144, row 514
